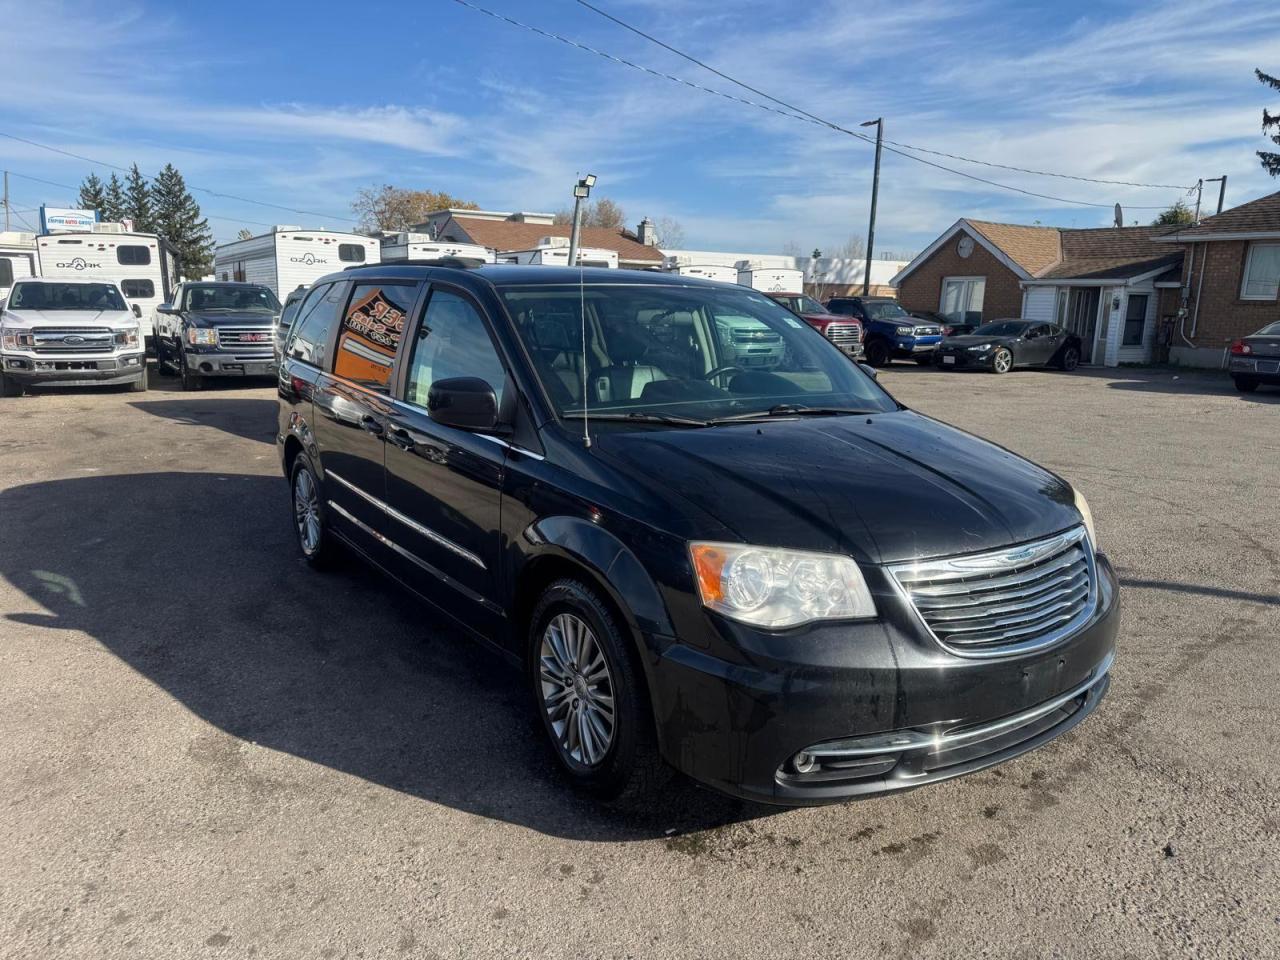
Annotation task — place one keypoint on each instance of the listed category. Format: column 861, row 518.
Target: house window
column 962, row 299
column 351, row 253
column 133, row 255
column 1261, row 272
column 1135, row 320
column 138, row 289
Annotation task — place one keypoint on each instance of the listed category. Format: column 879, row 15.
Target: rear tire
column 1070, row 359
column 310, row 519
column 589, row 693
column 878, row 353
column 10, row 387
column 1002, row 361
column 1246, row 384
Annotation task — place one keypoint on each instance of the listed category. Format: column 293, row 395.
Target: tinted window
column 371, row 331
column 6, row 272
column 133, row 255
column 451, row 342
column 1272, row 330
column 249, row 297
column 314, row 330
column 845, row 308
column 351, row 252
column 66, row 296
column 1001, row 328
column 138, row 289
column 883, row 310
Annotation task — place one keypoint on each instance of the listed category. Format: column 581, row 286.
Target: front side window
column 1261, row 272
column 452, row 342
column 1135, row 320
column 371, row 331
column 133, row 255
column 351, row 253
column 66, row 296
column 138, row 289
column 623, row 350
column 213, row 297
column 314, row 329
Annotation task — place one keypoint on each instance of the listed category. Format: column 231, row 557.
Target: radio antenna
column 582, row 311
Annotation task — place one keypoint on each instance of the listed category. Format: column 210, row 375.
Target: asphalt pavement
column 209, row 750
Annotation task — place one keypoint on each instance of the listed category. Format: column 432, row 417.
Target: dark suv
column 778, row 580
column 888, row 331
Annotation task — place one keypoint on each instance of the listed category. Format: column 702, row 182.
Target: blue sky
column 302, row 104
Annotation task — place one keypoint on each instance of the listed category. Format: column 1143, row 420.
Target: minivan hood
column 69, row 318
column 880, row 488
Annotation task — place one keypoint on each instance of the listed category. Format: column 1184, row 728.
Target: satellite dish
column 1119, row 216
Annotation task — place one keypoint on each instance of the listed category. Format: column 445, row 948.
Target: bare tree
column 244, row 233
column 669, row 232
column 791, row 249
column 396, row 208
column 598, row 213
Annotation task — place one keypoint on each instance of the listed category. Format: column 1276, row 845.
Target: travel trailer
column 554, row 251
column 143, row 265
column 290, row 257
column 420, row 246
column 17, row 258
column 707, row 271
column 770, row 280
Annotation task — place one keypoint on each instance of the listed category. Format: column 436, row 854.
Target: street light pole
column 581, row 190
column 878, row 123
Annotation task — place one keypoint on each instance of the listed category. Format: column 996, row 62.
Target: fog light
column 803, row 762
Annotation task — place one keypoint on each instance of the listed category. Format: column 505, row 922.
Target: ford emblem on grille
column 73, row 339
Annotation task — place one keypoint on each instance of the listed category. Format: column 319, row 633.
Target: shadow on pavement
column 1266, row 599
column 342, row 669
column 253, row 419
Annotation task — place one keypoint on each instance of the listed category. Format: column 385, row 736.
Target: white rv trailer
column 290, row 257
column 770, row 279
column 143, row 264
column 17, row 258
column 707, row 271
column 554, row 251
column 420, row 246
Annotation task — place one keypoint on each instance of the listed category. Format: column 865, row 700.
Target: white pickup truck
column 69, row 333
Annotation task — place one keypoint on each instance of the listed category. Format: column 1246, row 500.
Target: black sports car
column 1001, row 345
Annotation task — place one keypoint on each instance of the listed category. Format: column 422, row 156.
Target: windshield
column 800, row 304
column 884, row 310
column 1000, row 328
column 66, row 296
column 240, row 297
column 681, row 352
column 1270, row 330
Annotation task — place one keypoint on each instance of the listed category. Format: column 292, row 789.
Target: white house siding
column 1040, row 303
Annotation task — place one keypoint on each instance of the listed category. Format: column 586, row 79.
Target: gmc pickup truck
column 69, row 333
column 217, row 329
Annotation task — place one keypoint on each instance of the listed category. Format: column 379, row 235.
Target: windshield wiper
column 637, row 417
column 792, row 410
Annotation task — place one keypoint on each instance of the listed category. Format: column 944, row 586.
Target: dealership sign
column 62, row 219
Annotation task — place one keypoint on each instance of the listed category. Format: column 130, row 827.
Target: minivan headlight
column 1083, row 506
column 770, row 587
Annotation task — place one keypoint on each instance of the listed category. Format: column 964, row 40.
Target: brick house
column 1229, row 285
column 1104, row 284
column 1132, row 294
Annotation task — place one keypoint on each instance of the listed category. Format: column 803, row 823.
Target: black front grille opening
column 831, row 770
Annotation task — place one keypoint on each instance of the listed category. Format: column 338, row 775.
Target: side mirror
column 869, row 370
column 467, row 403
column 137, row 311
column 164, row 308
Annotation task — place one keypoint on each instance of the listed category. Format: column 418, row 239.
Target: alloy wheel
column 306, row 511
column 1003, row 361
column 577, row 690
column 1071, row 359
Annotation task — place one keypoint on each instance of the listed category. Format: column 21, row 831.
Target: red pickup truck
column 844, row 332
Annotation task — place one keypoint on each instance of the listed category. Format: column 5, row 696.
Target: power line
column 190, row 186
column 802, row 116
column 907, row 146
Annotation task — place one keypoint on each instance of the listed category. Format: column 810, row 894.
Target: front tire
column 588, row 688
column 1002, row 361
column 310, row 520
column 1246, row 384
column 139, row 385
column 190, row 380
column 1070, row 359
column 878, row 353
column 10, row 387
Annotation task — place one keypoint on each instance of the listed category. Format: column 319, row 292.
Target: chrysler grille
column 1007, row 601
column 73, row 340
column 844, row 334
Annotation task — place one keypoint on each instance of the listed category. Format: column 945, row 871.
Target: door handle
column 401, row 438
column 372, row 425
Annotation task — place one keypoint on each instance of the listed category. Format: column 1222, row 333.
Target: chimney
column 647, row 233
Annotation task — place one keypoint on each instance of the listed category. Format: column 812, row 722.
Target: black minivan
column 778, row 580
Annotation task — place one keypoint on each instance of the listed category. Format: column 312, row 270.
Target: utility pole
column 1199, row 194
column 6, row 201
column 1222, row 188
column 878, row 123
column 581, row 190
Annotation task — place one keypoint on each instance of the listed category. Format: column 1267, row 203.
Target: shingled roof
column 1032, row 248
column 1261, row 216
column 1111, row 253
column 506, row 235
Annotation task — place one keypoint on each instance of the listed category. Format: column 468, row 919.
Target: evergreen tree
column 113, row 201
column 137, row 206
column 1270, row 121
column 176, row 217
column 92, row 195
